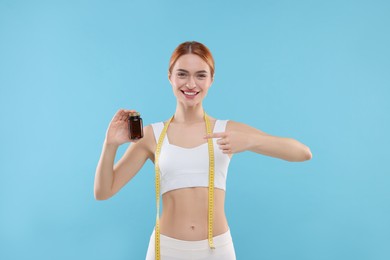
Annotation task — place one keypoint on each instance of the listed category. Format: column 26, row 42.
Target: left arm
column 241, row 137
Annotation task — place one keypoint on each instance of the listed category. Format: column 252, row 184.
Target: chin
column 190, row 103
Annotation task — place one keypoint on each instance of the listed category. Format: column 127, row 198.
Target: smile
column 189, row 93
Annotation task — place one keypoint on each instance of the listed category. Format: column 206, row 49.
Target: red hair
column 193, row 47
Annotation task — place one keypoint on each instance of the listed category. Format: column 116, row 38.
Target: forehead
column 191, row 62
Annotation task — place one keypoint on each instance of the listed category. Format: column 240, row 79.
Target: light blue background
column 317, row 71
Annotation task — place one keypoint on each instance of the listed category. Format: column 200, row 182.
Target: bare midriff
column 184, row 214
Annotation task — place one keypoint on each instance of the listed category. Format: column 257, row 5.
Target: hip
column 176, row 249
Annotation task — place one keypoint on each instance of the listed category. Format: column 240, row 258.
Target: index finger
column 215, row 135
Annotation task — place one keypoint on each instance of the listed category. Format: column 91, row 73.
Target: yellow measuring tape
column 211, row 185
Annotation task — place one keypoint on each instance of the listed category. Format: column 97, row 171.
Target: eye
column 181, row 74
column 202, row 76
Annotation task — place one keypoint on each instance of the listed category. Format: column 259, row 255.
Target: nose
column 191, row 83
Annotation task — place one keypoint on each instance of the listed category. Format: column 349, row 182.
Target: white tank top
column 189, row 167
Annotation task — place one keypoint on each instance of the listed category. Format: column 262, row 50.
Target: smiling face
column 190, row 79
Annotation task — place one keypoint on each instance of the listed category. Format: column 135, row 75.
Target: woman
column 184, row 162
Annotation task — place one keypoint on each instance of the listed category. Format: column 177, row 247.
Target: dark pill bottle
column 135, row 126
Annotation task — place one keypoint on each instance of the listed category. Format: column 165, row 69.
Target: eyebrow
column 200, row 71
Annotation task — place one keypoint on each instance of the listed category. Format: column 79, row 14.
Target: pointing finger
column 215, row 135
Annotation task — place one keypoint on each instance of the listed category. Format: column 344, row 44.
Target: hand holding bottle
column 118, row 129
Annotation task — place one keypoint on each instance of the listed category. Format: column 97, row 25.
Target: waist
column 185, row 213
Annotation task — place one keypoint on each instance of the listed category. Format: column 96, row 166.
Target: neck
column 185, row 114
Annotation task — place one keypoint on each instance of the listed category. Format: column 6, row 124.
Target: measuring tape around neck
column 210, row 190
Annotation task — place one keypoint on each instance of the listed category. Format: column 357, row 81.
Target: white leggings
column 175, row 249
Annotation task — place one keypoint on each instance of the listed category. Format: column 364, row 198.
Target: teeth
column 190, row 93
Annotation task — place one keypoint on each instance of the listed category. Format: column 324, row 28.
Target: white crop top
column 189, row 167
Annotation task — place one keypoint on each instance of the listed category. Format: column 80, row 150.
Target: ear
column 169, row 77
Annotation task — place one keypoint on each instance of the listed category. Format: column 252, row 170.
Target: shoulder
column 234, row 125
column 156, row 128
column 238, row 126
column 156, row 124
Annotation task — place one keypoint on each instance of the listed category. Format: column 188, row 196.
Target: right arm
column 109, row 179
